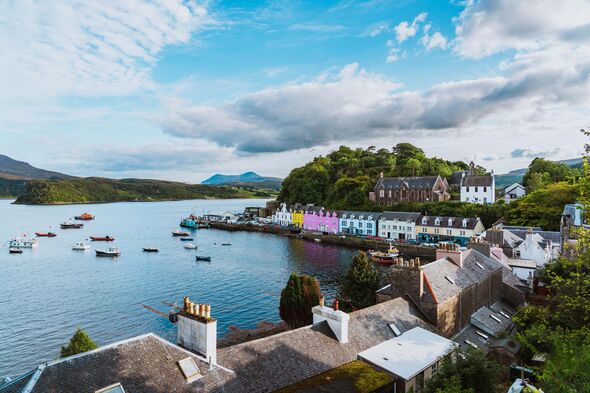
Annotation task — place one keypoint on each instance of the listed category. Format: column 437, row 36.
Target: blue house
column 359, row 223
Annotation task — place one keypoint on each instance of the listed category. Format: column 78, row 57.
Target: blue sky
column 183, row 89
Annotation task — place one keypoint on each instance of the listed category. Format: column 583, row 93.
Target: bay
column 46, row 292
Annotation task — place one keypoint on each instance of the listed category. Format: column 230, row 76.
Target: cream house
column 434, row 229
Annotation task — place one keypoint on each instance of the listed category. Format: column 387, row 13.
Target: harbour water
column 46, row 292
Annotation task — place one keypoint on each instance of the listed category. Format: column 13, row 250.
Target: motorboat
column 385, row 258
column 110, row 252
column 150, row 249
column 226, row 244
column 80, row 246
column 14, row 250
column 317, row 240
column 17, row 242
column 45, row 234
column 203, row 258
column 186, row 239
column 190, row 246
column 70, row 225
column 179, row 233
column 189, row 222
column 106, row 238
column 84, row 217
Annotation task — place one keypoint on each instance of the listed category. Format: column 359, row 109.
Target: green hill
column 96, row 190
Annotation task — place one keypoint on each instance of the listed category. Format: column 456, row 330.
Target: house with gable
column 318, row 219
column 359, row 223
column 478, row 188
column 513, row 191
column 391, row 190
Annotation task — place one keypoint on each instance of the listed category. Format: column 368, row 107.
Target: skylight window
column 472, row 344
column 395, row 330
column 189, row 369
column 449, row 279
column 502, row 313
column 115, row 388
column 481, row 334
column 495, row 318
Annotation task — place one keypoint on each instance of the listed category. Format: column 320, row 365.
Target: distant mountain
column 516, row 175
column 247, row 179
column 19, row 170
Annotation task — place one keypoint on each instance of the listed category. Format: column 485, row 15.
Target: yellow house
column 297, row 218
column 434, row 229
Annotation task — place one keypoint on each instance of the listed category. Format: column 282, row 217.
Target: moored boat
column 102, row 238
column 150, row 249
column 17, row 242
column 80, row 246
column 385, row 258
column 203, row 258
column 14, row 250
column 70, row 225
column 84, row 217
column 226, row 244
column 189, row 222
column 186, row 239
column 110, row 252
column 45, row 234
column 180, row 233
column 190, row 246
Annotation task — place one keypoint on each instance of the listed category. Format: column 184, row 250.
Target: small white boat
column 80, row 246
column 151, row 249
column 110, row 252
column 17, row 242
column 190, row 246
column 318, row 240
column 14, row 250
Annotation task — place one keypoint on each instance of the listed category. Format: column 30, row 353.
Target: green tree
column 360, row 283
column 538, row 181
column 79, row 343
column 551, row 171
column 297, row 298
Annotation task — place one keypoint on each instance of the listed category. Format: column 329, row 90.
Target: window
column 424, row 229
column 115, row 388
column 424, row 221
column 467, row 189
column 495, row 318
column 470, row 344
column 464, row 223
column 485, row 189
column 437, row 231
column 189, row 369
column 482, row 335
column 437, row 222
column 450, row 222
column 382, row 193
column 434, row 368
column 475, row 189
column 395, row 330
column 369, row 225
column 449, row 279
column 449, row 231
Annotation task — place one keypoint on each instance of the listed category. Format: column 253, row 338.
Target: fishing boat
column 80, row 246
column 45, row 234
column 190, row 246
column 179, row 233
column 84, row 217
column 226, row 244
column 14, row 250
column 110, row 252
column 385, row 258
column 186, row 239
column 150, row 249
column 189, row 222
column 17, row 242
column 203, row 225
column 102, row 238
column 70, row 225
column 203, row 258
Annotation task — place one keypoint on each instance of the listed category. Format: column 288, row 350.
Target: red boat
column 45, row 234
column 84, row 217
column 102, row 239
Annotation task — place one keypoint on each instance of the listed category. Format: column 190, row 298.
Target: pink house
column 320, row 220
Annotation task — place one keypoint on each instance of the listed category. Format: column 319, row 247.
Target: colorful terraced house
column 319, row 219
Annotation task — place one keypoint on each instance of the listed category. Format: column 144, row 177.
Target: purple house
column 320, row 220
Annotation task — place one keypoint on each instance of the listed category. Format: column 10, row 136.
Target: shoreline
column 132, row 201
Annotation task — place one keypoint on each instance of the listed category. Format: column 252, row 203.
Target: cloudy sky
column 183, row 89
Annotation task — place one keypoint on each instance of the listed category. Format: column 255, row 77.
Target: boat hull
column 112, row 254
column 204, row 259
column 102, row 239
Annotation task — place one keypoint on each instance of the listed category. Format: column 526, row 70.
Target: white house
column 535, row 248
column 478, row 188
column 283, row 216
column 398, row 225
column 514, row 191
column 359, row 223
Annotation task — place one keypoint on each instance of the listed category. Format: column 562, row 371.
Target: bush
column 299, row 296
column 79, row 343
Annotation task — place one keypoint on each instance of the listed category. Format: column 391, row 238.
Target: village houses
column 434, row 229
column 398, row 225
column 359, row 223
column 478, row 188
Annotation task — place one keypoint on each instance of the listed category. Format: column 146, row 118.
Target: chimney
column 451, row 251
column 407, row 279
column 381, row 175
column 197, row 331
column 479, row 245
column 337, row 320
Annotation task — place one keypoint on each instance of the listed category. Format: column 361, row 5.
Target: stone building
column 390, row 190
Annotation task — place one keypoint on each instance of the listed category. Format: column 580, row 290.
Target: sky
column 180, row 90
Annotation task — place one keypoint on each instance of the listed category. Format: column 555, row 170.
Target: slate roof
column 471, row 273
column 490, row 321
column 457, row 222
column 477, row 181
column 401, row 216
column 143, row 364
column 277, row 361
column 455, row 178
column 554, row 236
column 18, row 384
column 513, row 186
column 415, row 183
column 356, row 215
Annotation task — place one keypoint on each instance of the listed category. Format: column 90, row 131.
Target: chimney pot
column 208, row 311
column 322, row 301
column 417, row 261
column 201, row 310
column 335, row 305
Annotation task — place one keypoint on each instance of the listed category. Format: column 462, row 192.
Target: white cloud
column 392, row 55
column 88, row 48
column 405, row 30
column 434, row 41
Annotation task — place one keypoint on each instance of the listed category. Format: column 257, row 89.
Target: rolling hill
column 247, row 179
column 19, row 170
column 516, row 175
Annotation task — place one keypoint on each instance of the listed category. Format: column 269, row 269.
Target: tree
column 360, row 283
column 297, row 298
column 79, row 343
column 550, row 171
column 474, row 370
column 538, row 181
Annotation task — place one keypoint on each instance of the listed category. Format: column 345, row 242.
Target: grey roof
column 277, row 361
column 401, row 216
column 17, row 384
column 416, row 183
column 471, row 273
column 142, row 364
column 457, row 222
column 553, row 236
column 477, row 181
column 512, row 186
column 490, row 321
column 455, row 178
column 356, row 215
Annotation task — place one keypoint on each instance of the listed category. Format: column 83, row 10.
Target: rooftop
column 456, row 222
column 477, row 181
column 410, row 353
column 423, row 182
column 401, row 216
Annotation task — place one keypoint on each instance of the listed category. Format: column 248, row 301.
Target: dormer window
column 424, row 221
column 437, row 222
column 189, row 369
column 450, row 222
column 361, row 217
